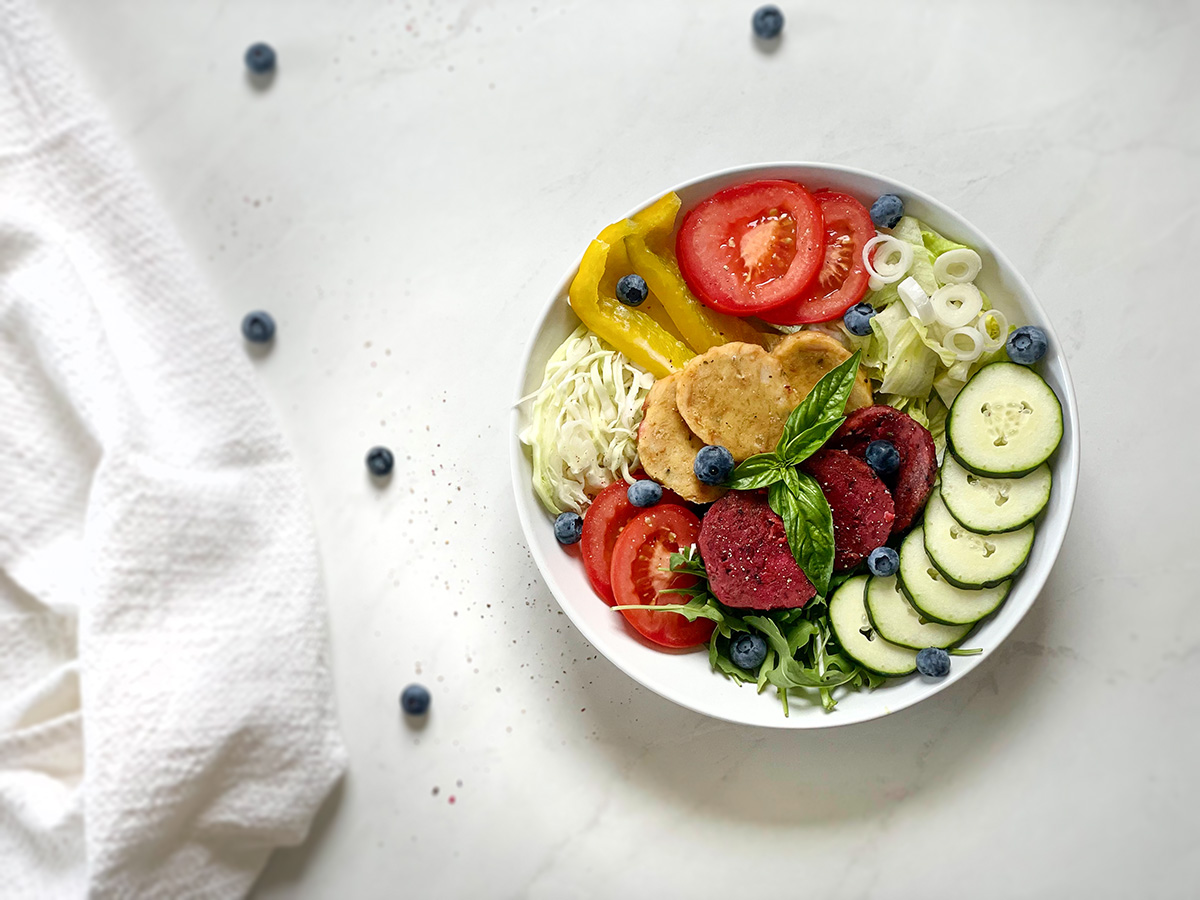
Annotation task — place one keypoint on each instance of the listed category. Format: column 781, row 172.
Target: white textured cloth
column 166, row 711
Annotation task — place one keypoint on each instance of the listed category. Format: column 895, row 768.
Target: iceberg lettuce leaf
column 909, row 365
column 936, row 244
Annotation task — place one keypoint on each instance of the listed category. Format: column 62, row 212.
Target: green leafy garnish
column 802, row 660
column 795, row 497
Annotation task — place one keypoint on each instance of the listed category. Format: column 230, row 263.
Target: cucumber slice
column 1006, row 421
column 853, row 631
column 970, row 560
column 992, row 505
column 937, row 599
column 896, row 621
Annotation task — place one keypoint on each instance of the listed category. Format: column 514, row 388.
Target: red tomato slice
column 640, row 573
column 752, row 247
column 603, row 522
column 842, row 280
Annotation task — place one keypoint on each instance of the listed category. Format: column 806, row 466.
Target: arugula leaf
column 772, row 633
column 802, row 661
column 792, row 674
column 756, row 472
column 825, row 402
column 689, row 562
column 799, row 635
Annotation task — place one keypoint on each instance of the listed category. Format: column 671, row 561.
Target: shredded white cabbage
column 582, row 429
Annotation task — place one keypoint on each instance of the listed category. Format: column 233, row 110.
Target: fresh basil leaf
column 756, row 472
column 808, row 524
column 825, row 402
column 808, row 442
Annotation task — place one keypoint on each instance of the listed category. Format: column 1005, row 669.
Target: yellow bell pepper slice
column 657, row 335
column 594, row 299
column 657, row 221
column 701, row 327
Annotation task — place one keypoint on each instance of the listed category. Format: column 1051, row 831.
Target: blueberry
column 260, row 58
column 934, row 662
column 858, row 319
column 258, row 327
column 568, row 528
column 713, row 465
column 887, row 210
column 632, row 290
column 1027, row 345
column 883, row 457
column 748, row 650
column 767, row 22
column 414, row 700
column 380, row 461
column 883, row 561
column 644, row 492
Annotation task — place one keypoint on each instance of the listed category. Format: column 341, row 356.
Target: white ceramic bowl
column 686, row 677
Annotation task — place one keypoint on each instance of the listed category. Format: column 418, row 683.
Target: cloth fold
column 166, row 706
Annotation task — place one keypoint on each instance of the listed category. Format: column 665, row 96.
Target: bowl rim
column 1066, row 483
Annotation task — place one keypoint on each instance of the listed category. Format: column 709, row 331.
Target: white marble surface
column 403, row 197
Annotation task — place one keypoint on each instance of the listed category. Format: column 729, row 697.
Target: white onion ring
column 990, row 343
column 915, row 300
column 888, row 273
column 875, row 283
column 970, row 333
column 969, row 301
column 963, row 258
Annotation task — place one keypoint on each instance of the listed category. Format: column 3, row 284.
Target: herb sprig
column 802, row 656
column 794, row 496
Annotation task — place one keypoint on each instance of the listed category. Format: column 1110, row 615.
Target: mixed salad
column 793, row 430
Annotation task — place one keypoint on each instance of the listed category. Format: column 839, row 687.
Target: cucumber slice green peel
column 897, row 621
column 937, row 599
column 994, row 505
column 969, row 560
column 1005, row 422
column 855, row 635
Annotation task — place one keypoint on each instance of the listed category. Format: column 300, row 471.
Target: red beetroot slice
column 746, row 554
column 914, row 479
column 861, row 505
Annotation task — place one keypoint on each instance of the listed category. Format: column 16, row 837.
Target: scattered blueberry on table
column 1027, row 345
column 887, row 210
column 632, row 290
column 933, row 662
column 380, row 461
column 883, row 457
column 414, row 700
column 858, row 319
column 713, row 465
column 568, row 528
column 883, row 561
column 258, row 327
column 644, row 492
column 767, row 22
column 747, row 650
column 260, row 58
